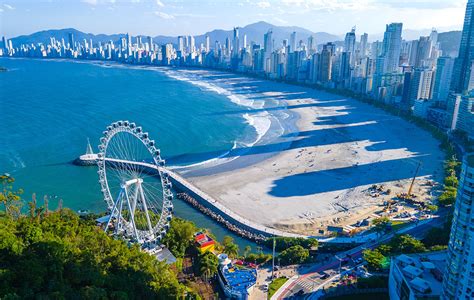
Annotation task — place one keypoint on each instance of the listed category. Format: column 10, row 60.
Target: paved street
column 309, row 280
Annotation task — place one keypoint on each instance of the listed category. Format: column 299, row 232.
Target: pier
column 182, row 185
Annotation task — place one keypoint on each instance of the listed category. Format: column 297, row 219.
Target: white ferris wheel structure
column 134, row 183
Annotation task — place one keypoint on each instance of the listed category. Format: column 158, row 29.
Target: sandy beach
column 318, row 173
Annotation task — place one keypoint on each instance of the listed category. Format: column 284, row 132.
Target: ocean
column 49, row 108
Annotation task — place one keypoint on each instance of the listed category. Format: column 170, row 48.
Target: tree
column 9, row 197
column 208, row 264
column 230, row 248
column 180, row 236
column 448, row 196
column 406, row 244
column 294, row 255
column 381, row 224
column 59, row 255
column 374, row 259
column 247, row 250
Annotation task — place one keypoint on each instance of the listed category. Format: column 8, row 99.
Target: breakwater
column 218, row 218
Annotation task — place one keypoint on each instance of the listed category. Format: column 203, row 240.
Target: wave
column 261, row 121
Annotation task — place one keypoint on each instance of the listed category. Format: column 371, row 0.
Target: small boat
column 83, row 212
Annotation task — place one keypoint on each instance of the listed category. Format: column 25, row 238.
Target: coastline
column 319, row 172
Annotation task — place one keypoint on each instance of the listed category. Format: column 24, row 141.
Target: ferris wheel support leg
column 135, row 200
column 114, row 209
column 145, row 208
column 132, row 216
column 119, row 218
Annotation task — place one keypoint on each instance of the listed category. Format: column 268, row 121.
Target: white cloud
column 159, row 3
column 330, row 4
column 263, row 4
column 163, row 15
column 91, row 2
column 8, row 6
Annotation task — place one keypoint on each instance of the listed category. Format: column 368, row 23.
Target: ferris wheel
column 134, row 183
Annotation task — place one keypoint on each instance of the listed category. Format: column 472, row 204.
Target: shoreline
column 320, row 173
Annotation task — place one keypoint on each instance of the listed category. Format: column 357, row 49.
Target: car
column 324, row 276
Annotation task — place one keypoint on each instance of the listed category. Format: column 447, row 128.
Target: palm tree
column 232, row 250
column 247, row 250
column 208, row 265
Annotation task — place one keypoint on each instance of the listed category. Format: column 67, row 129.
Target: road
column 309, row 281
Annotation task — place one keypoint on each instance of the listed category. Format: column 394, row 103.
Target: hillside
column 253, row 31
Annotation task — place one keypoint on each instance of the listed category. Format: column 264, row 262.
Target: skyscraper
column 444, row 73
column 293, row 41
column 208, row 43
column 349, row 42
column 458, row 281
column 181, row 43
column 268, row 47
column 392, row 41
column 461, row 82
column 235, row 42
column 363, row 44
column 71, row 40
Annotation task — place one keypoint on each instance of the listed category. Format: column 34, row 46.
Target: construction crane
column 409, row 196
column 413, row 180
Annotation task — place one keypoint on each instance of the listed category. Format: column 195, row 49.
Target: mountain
column 253, row 31
column 256, row 31
column 58, row 34
column 449, row 42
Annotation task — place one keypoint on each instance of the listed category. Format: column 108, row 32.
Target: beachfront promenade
column 185, row 186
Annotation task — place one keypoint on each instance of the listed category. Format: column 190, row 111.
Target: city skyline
column 175, row 17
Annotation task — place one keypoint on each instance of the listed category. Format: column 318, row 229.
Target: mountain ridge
column 449, row 40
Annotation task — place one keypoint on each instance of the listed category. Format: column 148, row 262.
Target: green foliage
column 282, row 243
column 294, row 255
column 438, row 236
column 275, row 285
column 374, row 259
column 259, row 258
column 9, row 196
column 230, row 248
column 247, row 250
column 381, row 224
column 58, row 255
column 447, row 197
column 406, row 244
column 180, row 236
column 208, row 264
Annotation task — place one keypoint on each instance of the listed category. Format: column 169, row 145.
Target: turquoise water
column 48, row 109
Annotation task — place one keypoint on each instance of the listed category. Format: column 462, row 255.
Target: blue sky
column 174, row 17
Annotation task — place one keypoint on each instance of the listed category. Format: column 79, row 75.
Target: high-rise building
column 442, row 83
column 311, row 45
column 363, row 44
column 392, row 41
column 421, row 84
column 71, row 40
column 349, row 42
column 245, row 42
column 325, row 64
column 423, row 52
column 458, row 281
column 192, row 44
column 235, row 42
column 461, row 82
column 268, row 46
column 181, row 43
column 293, row 41
column 208, row 43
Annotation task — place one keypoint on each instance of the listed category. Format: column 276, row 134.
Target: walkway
column 267, row 231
